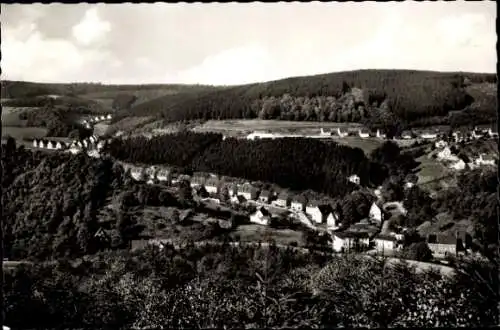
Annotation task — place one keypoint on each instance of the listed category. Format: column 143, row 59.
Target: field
column 10, row 116
column 24, row 133
column 256, row 233
column 129, row 124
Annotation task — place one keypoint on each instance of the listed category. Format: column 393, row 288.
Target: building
column 493, row 133
column 137, row 173
column 342, row 133
column 283, row 200
column 261, row 217
column 100, row 145
column 102, row 118
column 212, row 185
column 265, row 196
column 441, row 144
column 51, row 145
column 484, row 160
column 298, row 203
column 313, row 210
column 163, row 175
column 108, row 116
column 60, row 145
column 238, row 199
column 354, row 179
column 428, row 135
column 458, row 165
column 442, row 245
column 386, row 243
column 380, row 134
column 346, row 241
column 363, row 134
column 375, row 213
column 333, row 221
column 248, row 191
column 35, row 143
column 197, row 180
column 233, row 189
column 323, row 133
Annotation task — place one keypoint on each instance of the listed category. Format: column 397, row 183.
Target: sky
column 233, row 43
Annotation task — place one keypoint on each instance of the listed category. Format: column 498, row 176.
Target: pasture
column 24, row 133
column 256, row 233
column 10, row 116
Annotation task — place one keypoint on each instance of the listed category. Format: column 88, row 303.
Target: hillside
column 372, row 97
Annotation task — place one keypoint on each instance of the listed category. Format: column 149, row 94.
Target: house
column 102, row 118
column 108, row 116
column 59, row 145
column 238, row 199
column 51, row 145
column 458, row 165
column 446, row 154
column 163, row 175
column 232, row 188
column 380, row 134
column 283, row 200
column 386, row 243
column 493, row 133
column 212, row 185
column 457, row 136
column 323, row 133
column 248, row 191
column 354, row 179
column 96, row 118
column 484, row 160
column 428, row 135
column 150, row 172
column 93, row 138
column 362, row 133
column 442, row 245
column 345, row 241
column 375, row 213
column 333, row 221
column 100, row 145
column 85, row 143
column 441, row 144
column 477, row 133
column 74, row 150
column 406, row 135
column 342, row 133
column 197, row 180
column 298, row 203
column 261, row 217
column 312, row 209
column 137, row 173
column 35, row 143
column 265, row 196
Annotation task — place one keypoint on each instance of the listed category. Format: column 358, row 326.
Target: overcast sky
column 241, row 43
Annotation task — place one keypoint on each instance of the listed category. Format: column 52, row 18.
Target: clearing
column 256, row 233
column 24, row 133
column 10, row 115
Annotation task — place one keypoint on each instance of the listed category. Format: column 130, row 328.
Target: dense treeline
column 251, row 287
column 19, row 89
column 295, row 163
column 346, row 96
column 41, row 101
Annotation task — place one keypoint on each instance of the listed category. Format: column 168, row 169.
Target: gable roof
column 265, row 193
column 283, row 195
column 212, row 182
column 350, row 234
column 442, row 239
column 299, row 199
column 264, row 211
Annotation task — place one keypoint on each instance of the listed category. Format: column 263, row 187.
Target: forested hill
column 368, row 96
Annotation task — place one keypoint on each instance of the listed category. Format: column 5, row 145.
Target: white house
column 333, row 221
column 408, row 185
column 100, row 145
column 74, row 150
column 446, row 154
column 283, row 200
column 406, row 135
column 96, row 118
column 363, row 134
column 93, row 153
column 484, row 160
column 247, row 190
column 85, row 143
column 428, row 135
column 345, row 241
column 323, row 133
column 79, row 144
column 93, row 138
column 442, row 245
column 238, row 199
column 375, row 213
column 211, row 185
column 163, row 175
column 261, row 217
column 137, row 173
column 457, row 136
column 298, row 203
column 441, row 144
column 102, row 118
column 51, row 145
column 108, row 116
column 386, row 243
column 313, row 210
column 380, row 135
column 197, row 181
column 342, row 133
column 492, row 133
column 354, row 179
column 459, row 165
column 58, row 145
column 476, row 133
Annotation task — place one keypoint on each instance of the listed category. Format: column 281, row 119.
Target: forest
column 295, row 163
column 411, row 98
column 251, row 287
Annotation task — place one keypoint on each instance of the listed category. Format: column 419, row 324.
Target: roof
column 264, row 211
column 443, row 239
column 350, row 234
column 197, row 179
column 283, row 195
column 406, row 133
column 265, row 193
column 325, row 209
column 240, row 198
column 312, row 203
column 212, row 182
column 299, row 199
column 384, row 237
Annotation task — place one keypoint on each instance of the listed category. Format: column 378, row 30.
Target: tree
column 419, row 251
column 224, row 194
column 185, row 193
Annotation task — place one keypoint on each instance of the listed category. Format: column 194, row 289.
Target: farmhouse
column 375, row 213
column 442, row 245
column 211, row 185
column 484, row 160
column 100, row 145
column 346, row 241
column 446, row 154
column 386, row 243
column 458, row 165
column 35, row 143
column 108, row 116
column 264, row 196
column 232, row 188
column 493, row 132
column 323, row 133
column 51, row 145
column 354, row 179
column 298, row 203
column 60, row 145
column 283, row 200
column 163, row 175
column 261, row 217
column 441, row 144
